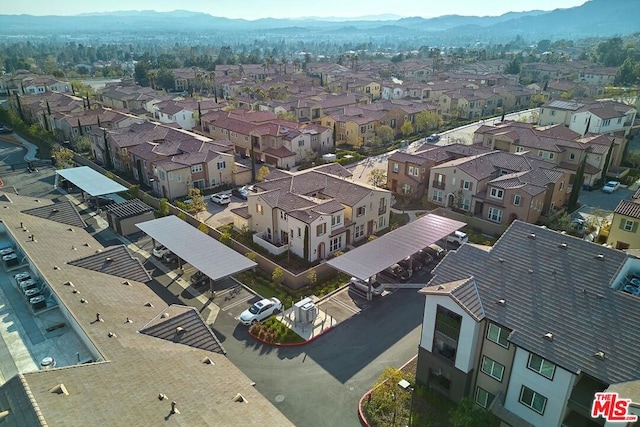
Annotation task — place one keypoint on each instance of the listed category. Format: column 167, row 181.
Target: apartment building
column 313, row 213
column 533, row 327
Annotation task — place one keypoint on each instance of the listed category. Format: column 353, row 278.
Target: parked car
column 5, row 130
column 396, row 272
column 424, row 257
column 96, row 201
column 611, row 186
column 221, row 199
column 415, row 264
column 241, row 193
column 261, row 311
column 170, row 258
column 363, row 285
column 198, row 278
column 160, row 251
column 433, row 138
column 436, row 251
column 458, row 238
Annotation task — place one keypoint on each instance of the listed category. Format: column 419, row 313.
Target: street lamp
column 406, row 385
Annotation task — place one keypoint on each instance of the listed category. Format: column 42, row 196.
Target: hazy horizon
column 287, row 9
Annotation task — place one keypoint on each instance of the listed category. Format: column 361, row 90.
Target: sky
column 256, row 9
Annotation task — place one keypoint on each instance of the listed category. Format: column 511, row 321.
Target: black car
column 412, row 266
column 5, row 130
column 100, row 201
column 396, row 272
column 240, row 193
column 198, row 278
column 433, row 138
column 424, row 257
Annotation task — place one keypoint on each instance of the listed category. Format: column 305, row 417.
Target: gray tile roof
column 183, row 325
column 132, row 368
column 551, row 288
column 128, row 209
column 116, row 261
column 63, row 212
column 464, row 292
column 628, row 208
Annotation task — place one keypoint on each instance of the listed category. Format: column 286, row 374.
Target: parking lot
column 599, row 200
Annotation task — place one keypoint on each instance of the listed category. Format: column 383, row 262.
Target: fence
column 293, row 281
column 485, row 227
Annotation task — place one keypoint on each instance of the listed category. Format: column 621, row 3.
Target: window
column 196, row 168
column 299, row 232
column 533, row 400
column 606, row 122
column 222, row 165
column 359, row 231
column 495, row 215
column 363, row 129
column 336, row 220
column 628, row 225
column 541, row 366
column 381, row 223
column 519, row 149
column 516, row 200
column 321, row 229
column 466, row 185
column 335, row 244
column 170, row 176
column 496, row 193
column 546, row 154
column 162, row 175
column 283, row 215
column 178, row 177
column 259, row 209
column 572, row 156
column 406, row 188
column 561, row 185
column 360, row 211
column 492, row 368
column 301, row 143
column 465, row 204
column 414, row 170
column 437, row 196
column 483, row 397
column 498, row 335
column 553, row 112
column 438, row 180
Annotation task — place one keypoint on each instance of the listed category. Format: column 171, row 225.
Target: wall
column 486, row 227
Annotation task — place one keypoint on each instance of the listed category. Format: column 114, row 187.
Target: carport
column 371, row 258
column 205, row 253
column 89, row 181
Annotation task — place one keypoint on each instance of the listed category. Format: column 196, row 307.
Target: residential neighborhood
column 379, row 220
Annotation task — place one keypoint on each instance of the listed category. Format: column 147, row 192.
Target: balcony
column 260, row 239
column 438, row 184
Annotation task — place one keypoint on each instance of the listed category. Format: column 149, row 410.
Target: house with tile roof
column 408, row 174
column 532, row 327
column 139, row 354
column 499, row 186
column 314, row 213
column 624, row 233
column 587, row 116
column 555, row 143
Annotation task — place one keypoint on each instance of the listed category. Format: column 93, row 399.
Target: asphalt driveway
column 599, row 200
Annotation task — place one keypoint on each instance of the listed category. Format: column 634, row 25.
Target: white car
column 260, row 311
column 611, row 186
column 221, row 199
column 458, row 238
column 160, row 251
column 363, row 285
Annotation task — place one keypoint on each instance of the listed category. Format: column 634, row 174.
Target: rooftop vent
column 240, row 398
column 600, row 355
column 54, row 210
column 87, row 245
column 127, row 283
column 440, row 287
column 562, row 246
column 530, row 271
column 548, row 336
column 71, row 229
column 207, row 361
column 59, row 389
column 75, row 291
column 148, row 305
column 112, row 335
column 162, row 396
column 174, row 408
column 69, row 283
column 83, row 301
column 180, row 330
column 500, row 260
column 128, row 320
column 600, row 257
column 501, row 302
column 164, row 315
column 108, row 259
column 532, row 236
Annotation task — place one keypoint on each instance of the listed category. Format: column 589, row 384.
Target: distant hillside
column 594, row 18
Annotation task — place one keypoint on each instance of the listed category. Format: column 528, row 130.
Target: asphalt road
column 319, row 384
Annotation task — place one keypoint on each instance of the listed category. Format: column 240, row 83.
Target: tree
column 165, row 80
column 287, row 116
column 64, row 158
column 389, row 404
column 277, row 276
column 577, row 184
column 252, row 256
column 468, row 414
column 378, row 177
column 607, row 161
column 312, row 277
column 628, row 74
column 163, row 209
column 407, row 128
column 633, row 159
column 306, row 242
column 385, row 133
column 515, row 65
column 262, row 173
column 426, row 120
column 203, row 227
column 197, row 200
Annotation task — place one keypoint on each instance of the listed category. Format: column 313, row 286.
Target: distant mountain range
column 594, row 18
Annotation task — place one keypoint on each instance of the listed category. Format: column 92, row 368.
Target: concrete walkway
column 413, row 215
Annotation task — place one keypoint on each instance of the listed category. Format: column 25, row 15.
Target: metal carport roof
column 90, row 181
column 373, row 257
column 205, row 253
